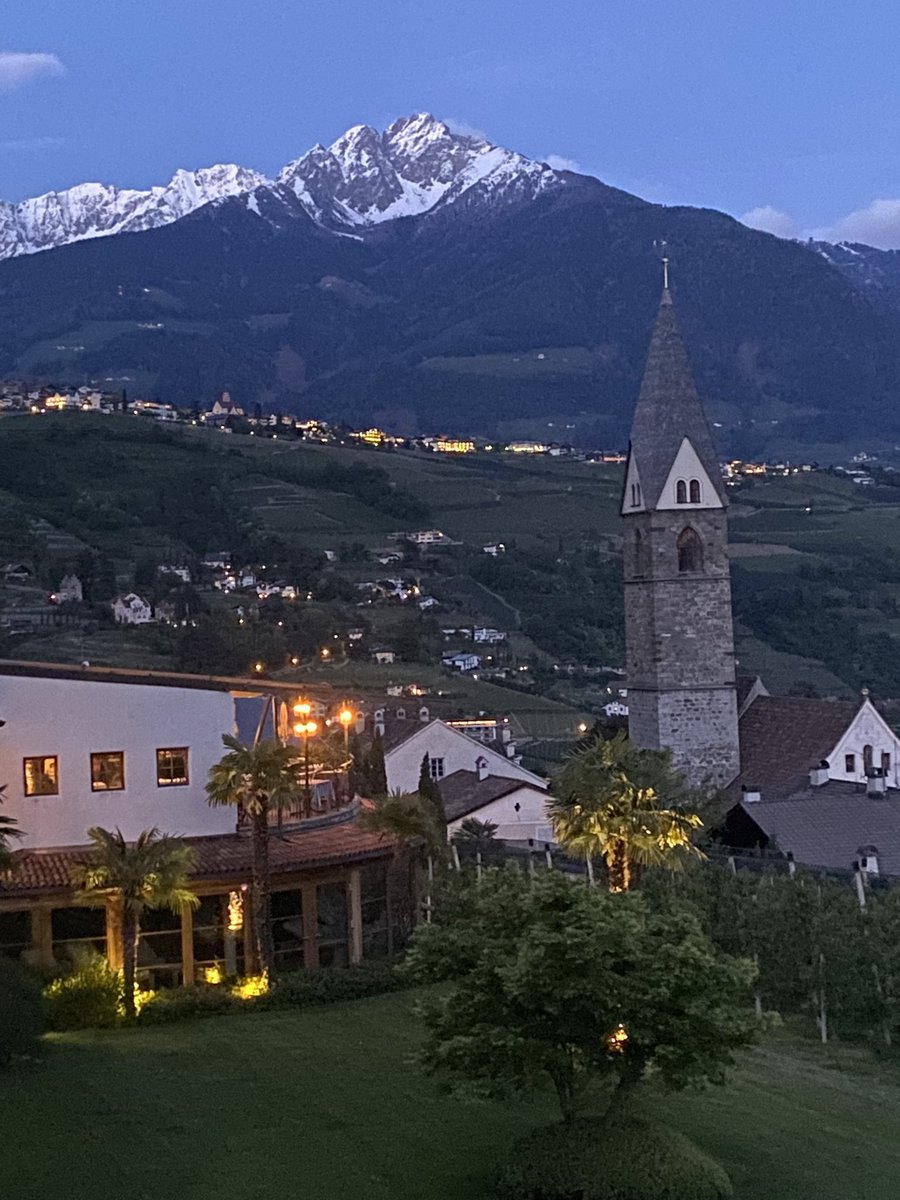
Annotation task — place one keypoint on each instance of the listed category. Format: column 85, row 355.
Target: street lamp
column 305, row 729
column 346, row 717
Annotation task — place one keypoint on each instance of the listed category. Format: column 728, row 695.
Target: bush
column 324, row 985
column 89, row 996
column 22, row 1017
column 298, row 989
column 618, row 1160
column 185, row 1003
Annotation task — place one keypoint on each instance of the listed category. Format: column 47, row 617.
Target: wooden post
column 548, row 854
column 430, row 887
column 187, row 945
column 454, row 854
column 590, row 870
column 478, row 865
column 354, row 915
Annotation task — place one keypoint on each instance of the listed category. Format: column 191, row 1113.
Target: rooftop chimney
column 750, row 795
column 819, row 775
column 481, row 767
column 876, row 781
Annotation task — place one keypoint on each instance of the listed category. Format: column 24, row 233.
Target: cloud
column 771, row 220
column 19, row 69
column 32, row 143
column 464, row 129
column 560, row 163
column 876, row 225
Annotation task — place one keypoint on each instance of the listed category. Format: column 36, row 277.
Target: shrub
column 295, row 990
column 22, row 1017
column 89, row 996
column 324, row 985
column 620, row 1160
column 185, row 1003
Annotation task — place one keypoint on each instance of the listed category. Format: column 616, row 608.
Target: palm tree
column 410, row 821
column 260, row 779
column 151, row 872
column 9, row 829
column 611, row 800
column 476, row 837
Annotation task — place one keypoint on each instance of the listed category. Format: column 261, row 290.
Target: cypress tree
column 376, row 773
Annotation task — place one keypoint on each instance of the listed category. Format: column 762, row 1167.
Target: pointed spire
column 668, row 409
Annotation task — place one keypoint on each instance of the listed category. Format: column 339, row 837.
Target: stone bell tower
column 679, row 637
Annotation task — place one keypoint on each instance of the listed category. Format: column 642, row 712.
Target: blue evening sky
column 792, row 107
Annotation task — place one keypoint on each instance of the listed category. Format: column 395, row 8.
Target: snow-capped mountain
column 367, row 177
column 96, row 210
column 362, row 179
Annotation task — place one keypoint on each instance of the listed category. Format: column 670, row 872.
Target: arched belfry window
column 681, row 495
column 690, row 551
column 695, row 491
column 635, row 495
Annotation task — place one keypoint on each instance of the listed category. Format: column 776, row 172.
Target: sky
column 786, row 115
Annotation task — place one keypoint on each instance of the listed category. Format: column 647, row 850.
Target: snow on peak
column 365, row 177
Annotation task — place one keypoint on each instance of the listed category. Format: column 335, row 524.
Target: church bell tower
column 679, row 637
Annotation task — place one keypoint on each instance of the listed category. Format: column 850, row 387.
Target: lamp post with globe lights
column 305, row 727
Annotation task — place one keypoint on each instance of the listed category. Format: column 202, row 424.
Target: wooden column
column 114, row 916
column 354, row 916
column 42, row 935
column 187, row 944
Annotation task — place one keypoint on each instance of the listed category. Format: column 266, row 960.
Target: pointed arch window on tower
column 635, row 495
column 695, row 491
column 690, row 551
column 681, row 495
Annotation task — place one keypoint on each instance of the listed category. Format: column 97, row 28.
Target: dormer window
column 681, row 493
column 695, row 491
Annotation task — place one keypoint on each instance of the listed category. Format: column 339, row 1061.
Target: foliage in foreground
column 299, row 989
column 21, row 1014
column 89, row 996
column 623, row 1160
column 551, row 979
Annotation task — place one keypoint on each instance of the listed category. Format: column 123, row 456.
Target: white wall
column 74, row 718
column 532, row 810
column 868, row 727
column 458, row 751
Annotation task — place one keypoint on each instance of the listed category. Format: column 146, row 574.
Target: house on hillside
column 517, row 808
column 462, row 662
column 383, row 655
column 487, row 635
column 15, row 572
column 131, row 609
column 226, row 407
column 69, row 590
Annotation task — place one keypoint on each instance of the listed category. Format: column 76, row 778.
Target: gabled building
column 84, row 746
column 820, row 780
column 131, row 609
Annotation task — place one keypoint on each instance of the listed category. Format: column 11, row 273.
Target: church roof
column 668, row 410
column 782, row 737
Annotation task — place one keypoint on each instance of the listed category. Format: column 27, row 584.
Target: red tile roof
column 37, row 872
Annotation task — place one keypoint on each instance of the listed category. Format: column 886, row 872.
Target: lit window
column 41, row 776
column 681, row 492
column 108, row 771
column 436, row 768
column 172, row 767
column 695, row 491
column 850, row 764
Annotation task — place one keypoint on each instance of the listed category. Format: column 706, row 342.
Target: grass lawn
column 327, row 1103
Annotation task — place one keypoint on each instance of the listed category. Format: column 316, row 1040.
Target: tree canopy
column 574, row 985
